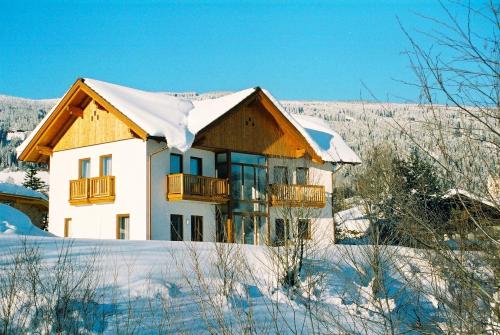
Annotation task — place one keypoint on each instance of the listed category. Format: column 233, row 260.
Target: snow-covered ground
column 352, row 222
column 144, row 287
column 15, row 222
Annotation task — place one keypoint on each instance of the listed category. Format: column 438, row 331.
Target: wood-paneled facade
column 255, row 126
column 95, row 126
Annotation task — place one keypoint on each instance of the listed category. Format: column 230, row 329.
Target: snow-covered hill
column 175, row 287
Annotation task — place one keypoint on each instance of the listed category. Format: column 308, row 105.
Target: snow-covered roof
column 457, row 192
column 18, row 190
column 178, row 120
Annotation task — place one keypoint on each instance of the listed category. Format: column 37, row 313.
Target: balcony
column 92, row 190
column 182, row 186
column 312, row 196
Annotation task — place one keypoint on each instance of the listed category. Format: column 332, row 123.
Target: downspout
column 149, row 202
column 334, row 225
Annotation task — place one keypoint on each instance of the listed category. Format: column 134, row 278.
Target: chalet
column 130, row 164
column 32, row 203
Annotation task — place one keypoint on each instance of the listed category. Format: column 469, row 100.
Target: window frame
column 80, row 170
column 302, row 168
column 286, row 229
column 195, row 218
column 286, row 175
column 308, row 231
column 67, row 224
column 118, row 218
column 200, row 166
column 181, row 161
column 101, row 165
column 181, row 235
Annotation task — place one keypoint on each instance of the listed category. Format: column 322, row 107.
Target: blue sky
column 296, row 49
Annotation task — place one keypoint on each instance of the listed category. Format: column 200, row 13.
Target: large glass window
column 248, row 182
column 248, row 206
column 238, row 157
column 123, row 227
column 106, row 165
column 236, row 182
column 196, row 166
column 175, row 163
column 84, row 168
column 196, row 228
column 176, row 232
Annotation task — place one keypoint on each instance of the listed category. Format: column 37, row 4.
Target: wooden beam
column 75, row 111
column 26, row 154
column 44, row 150
column 300, row 152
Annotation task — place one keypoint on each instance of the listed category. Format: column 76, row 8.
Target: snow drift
column 15, row 222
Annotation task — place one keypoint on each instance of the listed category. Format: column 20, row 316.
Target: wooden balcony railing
column 298, row 195
column 92, row 190
column 182, row 186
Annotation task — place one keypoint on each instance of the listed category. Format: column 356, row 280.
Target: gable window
column 67, row 227
column 196, row 228
column 123, row 227
column 196, row 166
column 175, row 163
column 302, row 176
column 280, row 175
column 304, row 229
column 176, row 232
column 84, row 168
column 105, row 168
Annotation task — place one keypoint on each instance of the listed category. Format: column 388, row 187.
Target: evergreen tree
column 32, row 181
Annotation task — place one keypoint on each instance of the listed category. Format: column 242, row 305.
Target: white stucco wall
column 319, row 174
column 161, row 209
column 99, row 220
column 130, row 168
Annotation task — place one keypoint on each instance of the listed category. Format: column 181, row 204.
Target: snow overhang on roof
column 179, row 120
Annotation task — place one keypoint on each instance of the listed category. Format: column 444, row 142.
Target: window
column 123, row 227
column 196, row 166
column 84, row 168
column 196, row 228
column 304, row 229
column 281, row 230
column 302, row 176
column 67, row 228
column 280, row 175
column 175, row 163
column 105, row 166
column 176, row 227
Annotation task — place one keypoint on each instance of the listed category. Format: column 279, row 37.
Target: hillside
column 18, row 116
column 362, row 125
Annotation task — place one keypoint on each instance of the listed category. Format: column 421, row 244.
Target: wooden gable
column 81, row 118
column 95, row 126
column 255, row 126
